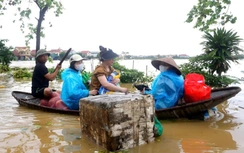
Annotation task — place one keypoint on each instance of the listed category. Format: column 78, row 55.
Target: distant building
column 94, row 54
column 22, row 53
column 183, row 56
column 85, row 53
column 56, row 51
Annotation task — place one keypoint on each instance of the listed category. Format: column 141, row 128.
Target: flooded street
column 24, row 130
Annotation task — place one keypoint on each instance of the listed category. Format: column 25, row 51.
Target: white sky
column 140, row 27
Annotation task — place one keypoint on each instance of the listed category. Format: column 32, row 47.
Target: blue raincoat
column 166, row 89
column 73, row 88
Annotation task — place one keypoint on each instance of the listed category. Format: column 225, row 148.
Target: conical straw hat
column 168, row 61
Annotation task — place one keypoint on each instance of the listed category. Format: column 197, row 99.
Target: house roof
column 21, row 51
column 183, row 55
column 21, row 48
column 55, row 50
column 85, row 52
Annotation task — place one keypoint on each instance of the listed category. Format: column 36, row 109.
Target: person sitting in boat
column 73, row 88
column 41, row 76
column 102, row 90
column 168, row 86
column 102, row 72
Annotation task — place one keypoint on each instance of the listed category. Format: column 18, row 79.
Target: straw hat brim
column 167, row 61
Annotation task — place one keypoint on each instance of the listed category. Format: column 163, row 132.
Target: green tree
column 25, row 12
column 210, row 12
column 6, row 56
column 2, row 7
column 221, row 47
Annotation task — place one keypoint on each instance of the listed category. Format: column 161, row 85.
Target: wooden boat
column 196, row 109
column 182, row 110
column 26, row 99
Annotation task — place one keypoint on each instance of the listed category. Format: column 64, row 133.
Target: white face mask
column 163, row 68
column 79, row 67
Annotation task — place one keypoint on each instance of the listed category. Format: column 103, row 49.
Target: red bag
column 60, row 105
column 195, row 88
column 44, row 102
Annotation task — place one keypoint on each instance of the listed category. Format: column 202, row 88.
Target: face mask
column 79, row 67
column 163, row 68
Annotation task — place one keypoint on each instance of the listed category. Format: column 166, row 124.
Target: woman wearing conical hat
column 168, row 86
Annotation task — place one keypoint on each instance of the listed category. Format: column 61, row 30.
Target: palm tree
column 221, row 48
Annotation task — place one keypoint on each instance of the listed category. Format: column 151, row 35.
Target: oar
column 66, row 54
column 241, row 107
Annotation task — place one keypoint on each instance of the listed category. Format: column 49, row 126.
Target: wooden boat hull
column 184, row 110
column 26, row 99
column 191, row 110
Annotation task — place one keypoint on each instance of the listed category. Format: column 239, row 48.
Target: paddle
column 66, row 54
column 241, row 107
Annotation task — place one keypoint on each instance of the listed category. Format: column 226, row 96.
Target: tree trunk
column 39, row 25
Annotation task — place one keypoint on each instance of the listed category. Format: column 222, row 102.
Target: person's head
column 107, row 55
column 42, row 56
column 76, row 62
column 164, row 64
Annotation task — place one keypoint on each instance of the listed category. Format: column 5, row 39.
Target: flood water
column 24, row 130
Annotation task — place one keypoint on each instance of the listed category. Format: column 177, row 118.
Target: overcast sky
column 140, row 27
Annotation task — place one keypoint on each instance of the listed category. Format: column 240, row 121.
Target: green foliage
column 6, row 56
column 50, row 70
column 50, row 59
column 220, row 49
column 2, row 7
column 131, row 75
column 25, row 13
column 210, row 12
column 22, row 73
column 44, row 6
column 4, row 68
column 86, row 78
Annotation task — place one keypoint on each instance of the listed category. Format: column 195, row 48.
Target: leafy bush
column 4, row 68
column 22, row 73
column 131, row 75
column 51, row 70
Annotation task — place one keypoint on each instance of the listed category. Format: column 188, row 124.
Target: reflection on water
column 27, row 130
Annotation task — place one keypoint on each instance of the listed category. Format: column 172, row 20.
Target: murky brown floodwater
column 26, row 130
